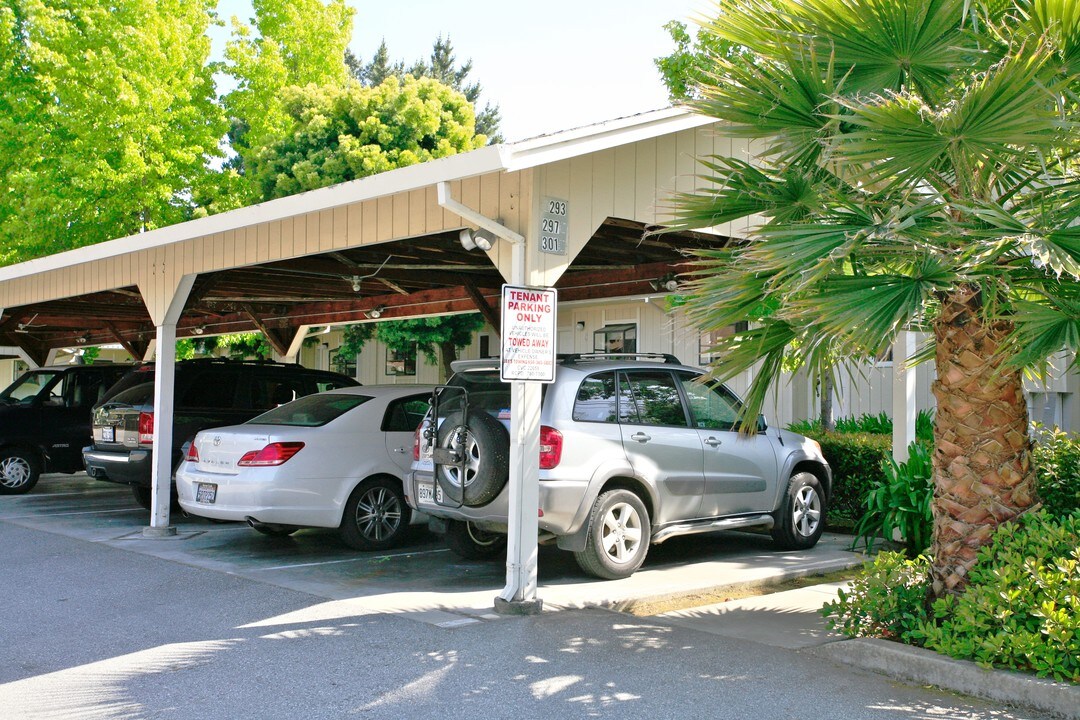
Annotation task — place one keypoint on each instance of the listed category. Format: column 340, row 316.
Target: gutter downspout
column 519, row 594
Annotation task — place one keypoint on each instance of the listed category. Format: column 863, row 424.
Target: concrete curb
column 922, row 666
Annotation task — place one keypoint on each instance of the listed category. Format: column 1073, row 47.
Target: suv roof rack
column 667, row 358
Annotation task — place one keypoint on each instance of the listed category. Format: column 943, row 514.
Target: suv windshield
column 29, row 386
column 310, row 411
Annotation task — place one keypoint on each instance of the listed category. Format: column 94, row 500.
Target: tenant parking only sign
column 528, row 334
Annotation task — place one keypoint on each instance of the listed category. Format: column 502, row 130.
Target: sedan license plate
column 205, row 493
column 108, row 434
column 425, row 492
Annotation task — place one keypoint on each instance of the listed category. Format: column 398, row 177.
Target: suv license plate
column 108, row 434
column 425, row 492
column 205, row 493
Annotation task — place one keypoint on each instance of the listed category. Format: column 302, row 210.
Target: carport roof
column 423, row 275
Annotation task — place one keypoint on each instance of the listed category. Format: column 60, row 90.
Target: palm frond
column 865, row 312
column 892, row 44
column 737, row 190
column 989, row 131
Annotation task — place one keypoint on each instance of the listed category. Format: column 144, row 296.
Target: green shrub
column 855, row 460
column 1022, row 607
column 899, row 500
column 888, row 600
column 1057, row 468
column 880, row 424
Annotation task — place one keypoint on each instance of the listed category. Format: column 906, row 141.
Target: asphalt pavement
column 220, row 622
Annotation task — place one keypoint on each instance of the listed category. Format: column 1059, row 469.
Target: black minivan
column 45, row 421
column 207, row 393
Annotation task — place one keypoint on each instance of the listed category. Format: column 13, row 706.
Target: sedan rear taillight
column 272, row 454
column 550, row 447
column 146, row 428
column 192, row 453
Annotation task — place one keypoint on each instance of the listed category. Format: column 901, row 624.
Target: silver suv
column 633, row 450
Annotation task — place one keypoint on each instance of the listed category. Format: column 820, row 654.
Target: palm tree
column 915, row 173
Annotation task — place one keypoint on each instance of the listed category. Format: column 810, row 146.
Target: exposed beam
column 491, row 315
column 276, row 340
column 136, row 348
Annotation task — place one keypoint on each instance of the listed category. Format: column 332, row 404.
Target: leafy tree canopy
column 441, row 65
column 690, row 62
column 108, row 120
column 348, row 132
column 290, row 43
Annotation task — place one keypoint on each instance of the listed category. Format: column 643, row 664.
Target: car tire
column 800, row 519
column 619, row 535
column 376, row 516
column 19, row 471
column 471, row 543
column 487, row 453
column 277, row 531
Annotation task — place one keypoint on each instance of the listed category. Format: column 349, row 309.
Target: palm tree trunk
column 983, row 475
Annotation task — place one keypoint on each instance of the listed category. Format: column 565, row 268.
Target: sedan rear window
column 311, row 411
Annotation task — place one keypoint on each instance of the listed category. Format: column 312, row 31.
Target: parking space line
column 355, row 559
column 62, row 514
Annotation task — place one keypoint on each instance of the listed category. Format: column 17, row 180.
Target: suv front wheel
column 619, row 535
column 800, row 519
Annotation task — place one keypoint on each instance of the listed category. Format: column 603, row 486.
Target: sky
column 549, row 66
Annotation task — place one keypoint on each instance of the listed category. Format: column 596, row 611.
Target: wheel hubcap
column 14, row 472
column 472, row 461
column 378, row 514
column 806, row 512
column 620, row 533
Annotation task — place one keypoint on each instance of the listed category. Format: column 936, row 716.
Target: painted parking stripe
column 356, row 559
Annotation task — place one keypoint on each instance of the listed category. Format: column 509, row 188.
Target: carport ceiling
column 427, row 275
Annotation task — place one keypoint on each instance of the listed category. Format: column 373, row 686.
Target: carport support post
column 164, row 378
column 903, row 395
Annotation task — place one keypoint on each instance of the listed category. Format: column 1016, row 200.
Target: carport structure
column 385, row 246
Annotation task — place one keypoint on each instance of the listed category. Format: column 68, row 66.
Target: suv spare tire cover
column 487, row 459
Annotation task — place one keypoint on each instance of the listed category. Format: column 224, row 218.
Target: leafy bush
column 880, row 424
column 855, row 460
column 1057, row 468
column 899, row 500
column 1022, row 608
column 887, row 601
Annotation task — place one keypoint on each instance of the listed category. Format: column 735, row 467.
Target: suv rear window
column 486, row 392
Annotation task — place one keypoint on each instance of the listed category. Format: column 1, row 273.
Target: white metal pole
column 903, row 395
column 164, row 378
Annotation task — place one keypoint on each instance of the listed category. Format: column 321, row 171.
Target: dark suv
column 45, row 421
column 207, row 393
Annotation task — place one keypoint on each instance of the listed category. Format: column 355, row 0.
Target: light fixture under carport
column 472, row 239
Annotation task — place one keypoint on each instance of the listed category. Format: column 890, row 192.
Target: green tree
column 438, row 338
column 290, row 43
column 349, row 131
column 689, row 63
column 915, row 171
column 107, row 120
column 441, row 65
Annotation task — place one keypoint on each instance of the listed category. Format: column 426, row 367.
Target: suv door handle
column 641, row 437
column 712, row 442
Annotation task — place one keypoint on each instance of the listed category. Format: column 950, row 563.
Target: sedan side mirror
column 762, row 423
